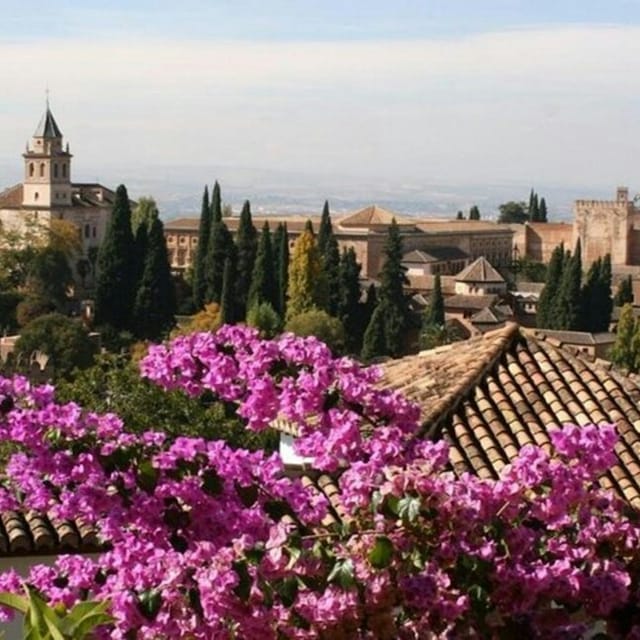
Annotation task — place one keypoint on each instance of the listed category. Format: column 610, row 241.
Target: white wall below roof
column 288, row 454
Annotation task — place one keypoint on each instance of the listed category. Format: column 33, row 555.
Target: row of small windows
column 32, row 169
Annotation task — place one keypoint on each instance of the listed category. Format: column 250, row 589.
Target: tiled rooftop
column 480, row 270
column 492, row 395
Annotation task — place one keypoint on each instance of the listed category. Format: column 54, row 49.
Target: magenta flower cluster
column 208, row 542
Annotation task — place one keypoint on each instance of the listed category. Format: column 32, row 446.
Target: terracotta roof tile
column 480, row 270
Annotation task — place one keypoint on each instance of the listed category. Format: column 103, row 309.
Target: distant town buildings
column 431, row 246
column 48, row 193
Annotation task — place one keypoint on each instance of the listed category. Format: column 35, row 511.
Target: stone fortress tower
column 608, row 226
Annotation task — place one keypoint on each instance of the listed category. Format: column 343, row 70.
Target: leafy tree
column 460, row 216
column 207, row 319
column 318, row 323
column 50, row 277
column 145, row 213
column 474, row 213
column 548, row 295
column 433, row 336
column 434, row 312
column 626, row 348
column 228, row 308
column 247, row 244
column 530, row 270
column 305, row 288
column 265, row 318
column 64, row 236
column 63, row 339
column 155, row 304
column 624, row 294
column 513, row 212
column 281, row 259
column 204, row 231
column 263, row 282
column 350, row 309
column 115, row 281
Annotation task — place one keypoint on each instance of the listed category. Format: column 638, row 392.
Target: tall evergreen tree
column 374, row 343
column 604, row 300
column 305, row 287
column 552, row 283
column 393, row 305
column 116, row 278
column 460, row 215
column 434, row 313
column 349, row 308
column 228, row 302
column 474, row 213
column 624, row 294
column 155, row 301
column 542, row 212
column 263, row 282
column 221, row 247
column 328, row 247
column 281, row 259
column 141, row 243
column 589, row 297
column 216, row 204
column 247, row 245
column 626, row 348
column 325, row 231
column 534, row 207
column 567, row 306
column 199, row 284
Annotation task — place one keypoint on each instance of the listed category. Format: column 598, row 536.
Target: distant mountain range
column 178, row 191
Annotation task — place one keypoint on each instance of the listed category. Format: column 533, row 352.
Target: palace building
column 48, row 193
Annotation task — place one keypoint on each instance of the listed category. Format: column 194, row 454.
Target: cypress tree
column 434, row 313
column 589, row 297
column 199, row 284
column 393, row 306
column 155, row 302
column 374, row 342
column 325, row 231
column 263, row 282
column 305, row 287
column 566, row 305
column 281, row 259
column 247, row 244
column 552, row 282
column 116, row 278
column 216, row 204
column 349, row 308
column 331, row 263
column 530, row 208
column 604, row 300
column 474, row 213
column 228, row 308
column 624, row 294
column 542, row 213
column 460, row 216
column 141, row 243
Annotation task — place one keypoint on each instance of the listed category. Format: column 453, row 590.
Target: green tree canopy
column 474, row 213
column 320, row 324
column 626, row 349
column 204, row 231
column 512, row 211
column 247, row 245
column 552, row 282
column 281, row 259
column 624, row 294
column 263, row 282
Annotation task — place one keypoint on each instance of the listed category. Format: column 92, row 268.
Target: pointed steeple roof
column 48, row 127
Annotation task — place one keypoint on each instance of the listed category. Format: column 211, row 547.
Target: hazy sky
column 463, row 92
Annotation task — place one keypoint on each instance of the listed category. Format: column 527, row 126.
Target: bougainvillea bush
column 208, row 542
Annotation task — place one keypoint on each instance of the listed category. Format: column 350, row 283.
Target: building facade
column 452, row 242
column 48, row 193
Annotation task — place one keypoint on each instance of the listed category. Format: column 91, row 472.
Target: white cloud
column 539, row 104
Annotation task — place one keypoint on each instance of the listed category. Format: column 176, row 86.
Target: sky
column 451, row 92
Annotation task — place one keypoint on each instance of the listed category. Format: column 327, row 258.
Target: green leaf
column 382, row 552
column 212, row 483
column 409, row 509
column 342, row 574
column 19, row 603
column 147, row 476
column 243, row 588
column 287, row 589
column 84, row 618
column 149, row 603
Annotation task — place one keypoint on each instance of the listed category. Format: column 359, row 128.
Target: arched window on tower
column 31, row 169
column 42, row 169
column 55, row 170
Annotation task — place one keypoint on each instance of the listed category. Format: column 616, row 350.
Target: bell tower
column 47, row 167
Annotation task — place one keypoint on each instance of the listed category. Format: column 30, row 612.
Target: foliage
column 434, row 312
column 64, row 340
column 144, row 214
column 228, row 301
column 50, row 277
column 264, row 318
column 64, row 236
column 626, row 349
column 263, row 281
column 542, row 211
column 247, row 244
column 530, row 270
column 9, row 302
column 204, row 231
column 305, row 287
column 544, row 316
column 221, row 248
column 32, row 307
column 596, row 301
column 155, row 302
column 208, row 319
column 513, row 212
column 624, row 294
column 540, row 552
column 43, row 622
column 474, row 213
column 567, row 304
column 434, row 335
column 281, row 259
column 116, row 279
column 320, row 324
column 460, row 215
column 350, row 310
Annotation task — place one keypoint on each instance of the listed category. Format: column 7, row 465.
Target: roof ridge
column 499, row 340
